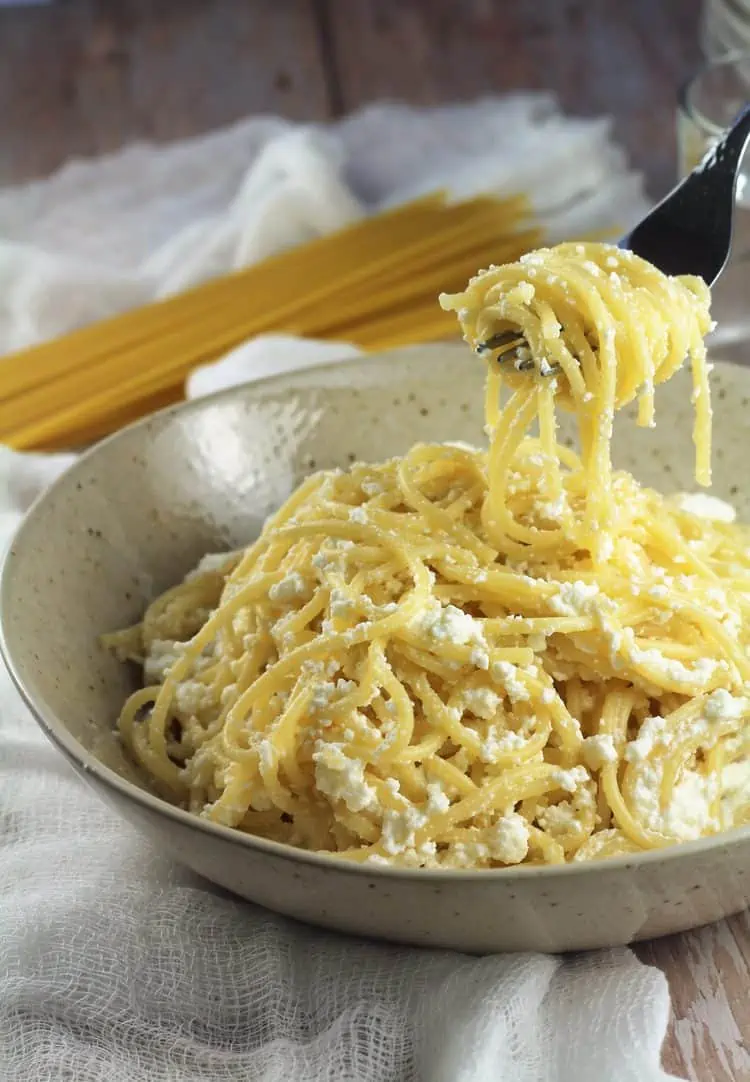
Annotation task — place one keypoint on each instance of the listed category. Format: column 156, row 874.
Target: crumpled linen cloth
column 101, row 236
column 115, row 964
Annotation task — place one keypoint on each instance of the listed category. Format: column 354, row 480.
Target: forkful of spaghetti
column 591, row 327
column 600, row 327
column 688, row 234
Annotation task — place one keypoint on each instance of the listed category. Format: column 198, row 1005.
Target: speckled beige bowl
column 139, row 510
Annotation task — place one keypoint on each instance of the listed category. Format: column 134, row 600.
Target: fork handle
column 690, row 230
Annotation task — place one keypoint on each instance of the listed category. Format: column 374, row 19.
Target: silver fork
column 688, row 232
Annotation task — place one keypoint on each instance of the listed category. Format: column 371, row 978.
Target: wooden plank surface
column 85, row 76
column 709, row 979
column 81, row 77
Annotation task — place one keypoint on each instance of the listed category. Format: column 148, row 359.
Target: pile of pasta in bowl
column 477, row 657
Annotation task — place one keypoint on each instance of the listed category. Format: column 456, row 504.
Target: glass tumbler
column 708, row 103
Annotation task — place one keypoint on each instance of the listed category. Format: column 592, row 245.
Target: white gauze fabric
column 115, row 964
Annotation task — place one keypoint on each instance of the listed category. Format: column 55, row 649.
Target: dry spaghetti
column 372, row 283
column 462, row 658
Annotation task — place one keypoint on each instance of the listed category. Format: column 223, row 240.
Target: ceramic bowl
column 139, row 510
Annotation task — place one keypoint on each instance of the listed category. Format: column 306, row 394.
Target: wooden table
column 85, row 76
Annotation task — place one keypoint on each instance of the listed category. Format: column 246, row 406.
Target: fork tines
column 516, row 352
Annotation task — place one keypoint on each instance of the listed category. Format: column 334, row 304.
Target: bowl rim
column 92, row 767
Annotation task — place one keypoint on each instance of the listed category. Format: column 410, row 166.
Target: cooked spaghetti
column 463, row 658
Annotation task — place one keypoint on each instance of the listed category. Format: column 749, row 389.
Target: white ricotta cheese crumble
column 341, row 777
column 575, row 598
column 400, row 827
column 506, row 674
column 328, row 690
column 508, row 839
column 599, row 750
column 571, row 779
column 689, row 812
column 162, row 654
column 499, row 742
column 437, row 799
column 651, row 733
column 721, row 706
column 560, row 819
column 483, row 702
column 291, row 587
column 332, row 557
column 191, row 696
column 451, row 624
column 705, row 506
column 480, row 658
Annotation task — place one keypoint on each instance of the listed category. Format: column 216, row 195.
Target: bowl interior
column 136, row 513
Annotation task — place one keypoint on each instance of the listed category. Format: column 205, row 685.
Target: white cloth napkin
column 105, row 235
column 115, row 965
